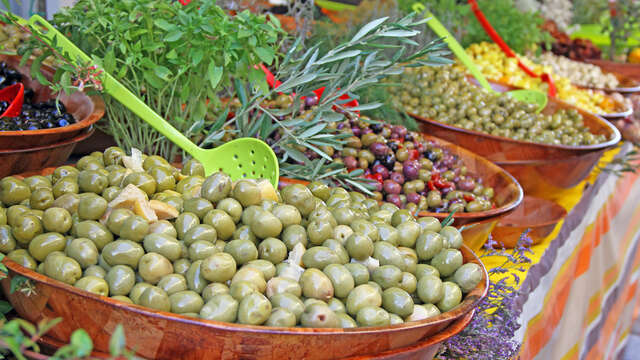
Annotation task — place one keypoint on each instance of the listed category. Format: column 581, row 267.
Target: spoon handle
column 117, row 90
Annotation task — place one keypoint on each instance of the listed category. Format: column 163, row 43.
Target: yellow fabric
column 567, row 199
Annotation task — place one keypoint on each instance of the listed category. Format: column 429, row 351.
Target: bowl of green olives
column 497, row 126
column 84, row 110
column 203, row 267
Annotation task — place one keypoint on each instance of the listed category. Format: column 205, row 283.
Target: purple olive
column 397, row 177
column 350, row 162
column 392, row 187
column 379, row 149
column 380, row 169
column 310, row 101
column 378, row 186
column 466, row 184
column 410, row 169
column 400, row 130
column 413, row 198
column 341, row 126
column 356, row 131
column 366, row 131
column 394, row 199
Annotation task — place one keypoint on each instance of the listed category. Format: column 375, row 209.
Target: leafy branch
column 628, row 162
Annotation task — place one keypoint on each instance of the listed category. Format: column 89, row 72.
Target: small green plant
column 623, row 25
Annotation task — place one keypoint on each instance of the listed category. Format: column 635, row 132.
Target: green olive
column 113, row 156
column 93, row 284
column 447, row 261
column 319, row 316
column 172, row 283
column 123, row 298
column 195, row 280
column 247, row 192
column 290, row 302
column 242, row 251
column 14, row 212
column 190, row 186
column 216, row 187
column 153, row 266
column 345, row 321
column 267, row 268
column 116, row 219
column 84, row 251
column 134, row 228
column 366, row 228
column 95, row 232
column 141, row 180
column 452, row 237
column 254, row 309
column 372, row 316
column 428, row 245
column 43, row 244
column 451, row 296
column 181, row 266
column 7, row 242
column 164, row 245
column 186, row 301
column 121, row 279
column 13, row 191
column 163, row 178
column 214, row 289
column 315, row 284
column 421, row 312
column 281, row 318
column 197, row 205
column 155, row 298
column 95, row 270
column 300, row 197
column 92, row 181
column 222, row 222
column 62, row 268
column 222, row 307
column 279, row 285
column 360, row 247
column 265, row 224
column 319, row 231
column 468, row 276
column 185, row 222
column 319, row 190
column 294, row 234
column 22, row 257
column 65, row 185
column 342, row 233
column 362, row 296
column 41, row 199
column 341, row 279
column 163, row 227
column 123, row 252
column 137, row 290
column 232, row 207
column 55, row 219
column 273, row 250
column 38, row 182
column 388, row 234
column 91, row 207
column 25, row 228
column 319, row 257
column 388, row 254
column 408, row 232
column 240, row 289
column 251, row 275
column 359, row 272
column 193, row 168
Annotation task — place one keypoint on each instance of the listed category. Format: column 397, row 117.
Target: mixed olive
column 443, row 94
column 34, row 115
column 141, row 231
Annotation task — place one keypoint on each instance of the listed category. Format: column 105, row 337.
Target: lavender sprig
column 490, row 334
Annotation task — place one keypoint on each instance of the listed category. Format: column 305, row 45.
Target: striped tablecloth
column 580, row 294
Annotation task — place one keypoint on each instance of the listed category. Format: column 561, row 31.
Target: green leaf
column 162, row 72
column 16, row 282
column 197, row 56
column 344, row 55
column 173, row 36
column 215, row 74
column 292, row 83
column 82, row 343
column 5, row 307
column 364, row 107
column 109, row 61
column 117, row 342
column 295, row 154
column 313, row 130
column 45, row 325
column 266, row 55
column 367, row 29
column 399, row 33
column 449, row 219
column 164, row 25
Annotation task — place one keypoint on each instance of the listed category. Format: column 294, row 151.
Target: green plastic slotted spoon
column 240, row 158
column 529, row 96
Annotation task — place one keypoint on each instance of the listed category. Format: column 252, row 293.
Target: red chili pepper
column 435, row 176
column 377, row 177
column 440, row 184
column 468, row 197
column 493, row 206
column 431, row 185
column 414, row 154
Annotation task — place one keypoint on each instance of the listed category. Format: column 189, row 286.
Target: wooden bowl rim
column 539, row 201
column 96, row 114
column 616, row 138
column 468, row 304
column 534, row 162
column 65, row 142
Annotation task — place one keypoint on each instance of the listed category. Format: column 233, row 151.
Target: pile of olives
column 443, row 94
column 309, row 256
column 34, row 115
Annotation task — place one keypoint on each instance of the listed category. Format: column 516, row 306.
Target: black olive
column 430, row 155
column 389, row 161
column 377, row 127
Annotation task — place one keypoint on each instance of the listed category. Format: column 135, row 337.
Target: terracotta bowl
column 540, row 216
column 162, row 335
column 21, row 160
column 85, row 109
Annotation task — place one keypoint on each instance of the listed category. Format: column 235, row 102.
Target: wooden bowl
column 540, row 216
column 18, row 161
column 162, row 335
column 498, row 148
column 85, row 109
column 632, row 71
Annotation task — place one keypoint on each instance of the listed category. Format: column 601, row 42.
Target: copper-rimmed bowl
column 21, row 160
column 162, row 335
column 86, row 110
column 539, row 216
